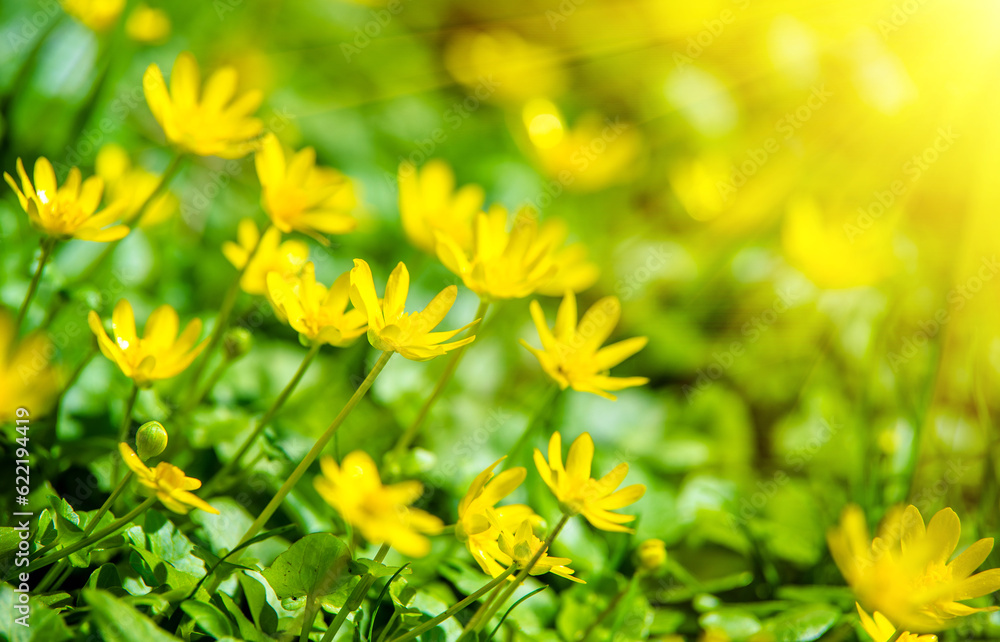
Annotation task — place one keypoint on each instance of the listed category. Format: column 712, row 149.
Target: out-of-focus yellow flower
column 381, row 513
column 203, row 120
column 97, row 15
column 881, row 629
column 317, row 313
column 839, row 252
column 904, row 573
column 286, row 259
column 503, row 64
column 299, row 195
column 594, row 154
column 69, row 211
column 475, row 527
column 578, row 493
column 430, row 205
column 573, row 270
column 27, row 378
column 390, row 328
column 652, row 554
column 148, row 25
column 521, row 545
column 168, row 482
column 572, row 355
column 159, row 354
column 131, row 185
column 502, row 264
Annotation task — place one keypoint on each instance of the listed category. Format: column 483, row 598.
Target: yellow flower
column 578, row 493
column 148, row 25
column 285, row 259
column 429, row 205
column 168, row 482
column 67, row 211
column 390, row 328
column 317, row 313
column 97, row 15
column 572, row 355
column 299, row 195
column 131, row 185
column 573, row 270
column 475, row 527
column 500, row 62
column 882, row 630
column 502, row 264
column 904, row 573
column 159, row 354
column 652, row 554
column 27, row 378
column 381, row 513
column 206, row 122
column 522, row 544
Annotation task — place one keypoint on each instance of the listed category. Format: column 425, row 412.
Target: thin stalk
column 488, row 615
column 406, row 439
column 123, row 431
column 265, row 420
column 354, row 599
column 431, row 623
column 60, row 567
column 488, row 604
column 895, row 636
column 48, row 244
column 317, row 448
column 222, row 321
column 93, row 539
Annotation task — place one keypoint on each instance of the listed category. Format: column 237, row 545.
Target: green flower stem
column 110, row 529
column 430, row 624
column 406, row 439
column 314, row 452
column 353, row 600
column 56, row 570
column 123, row 431
column 488, row 615
column 220, row 476
column 221, row 323
column 895, row 636
column 474, row 620
column 48, row 244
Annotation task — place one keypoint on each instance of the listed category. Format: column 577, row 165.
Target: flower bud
column 237, row 342
column 652, row 554
column 151, row 440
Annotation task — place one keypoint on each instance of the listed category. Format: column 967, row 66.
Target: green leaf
column 210, row 619
column 376, row 569
column 803, row 624
column 119, row 622
column 315, row 565
column 735, row 623
column 10, row 537
column 43, row 624
column 106, row 578
column 246, row 628
column 264, row 615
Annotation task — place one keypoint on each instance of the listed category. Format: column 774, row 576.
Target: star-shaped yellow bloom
column 502, row 264
column 299, row 195
column 429, row 205
column 203, row 120
column 522, row 544
column 572, row 354
column 285, row 259
column 27, row 378
column 905, row 573
column 96, row 15
column 131, row 185
column 69, row 211
column 574, row 271
column 578, row 494
column 390, row 328
column 475, row 528
column 168, row 482
column 317, row 313
column 159, row 354
column 381, row 513
column 882, row 630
